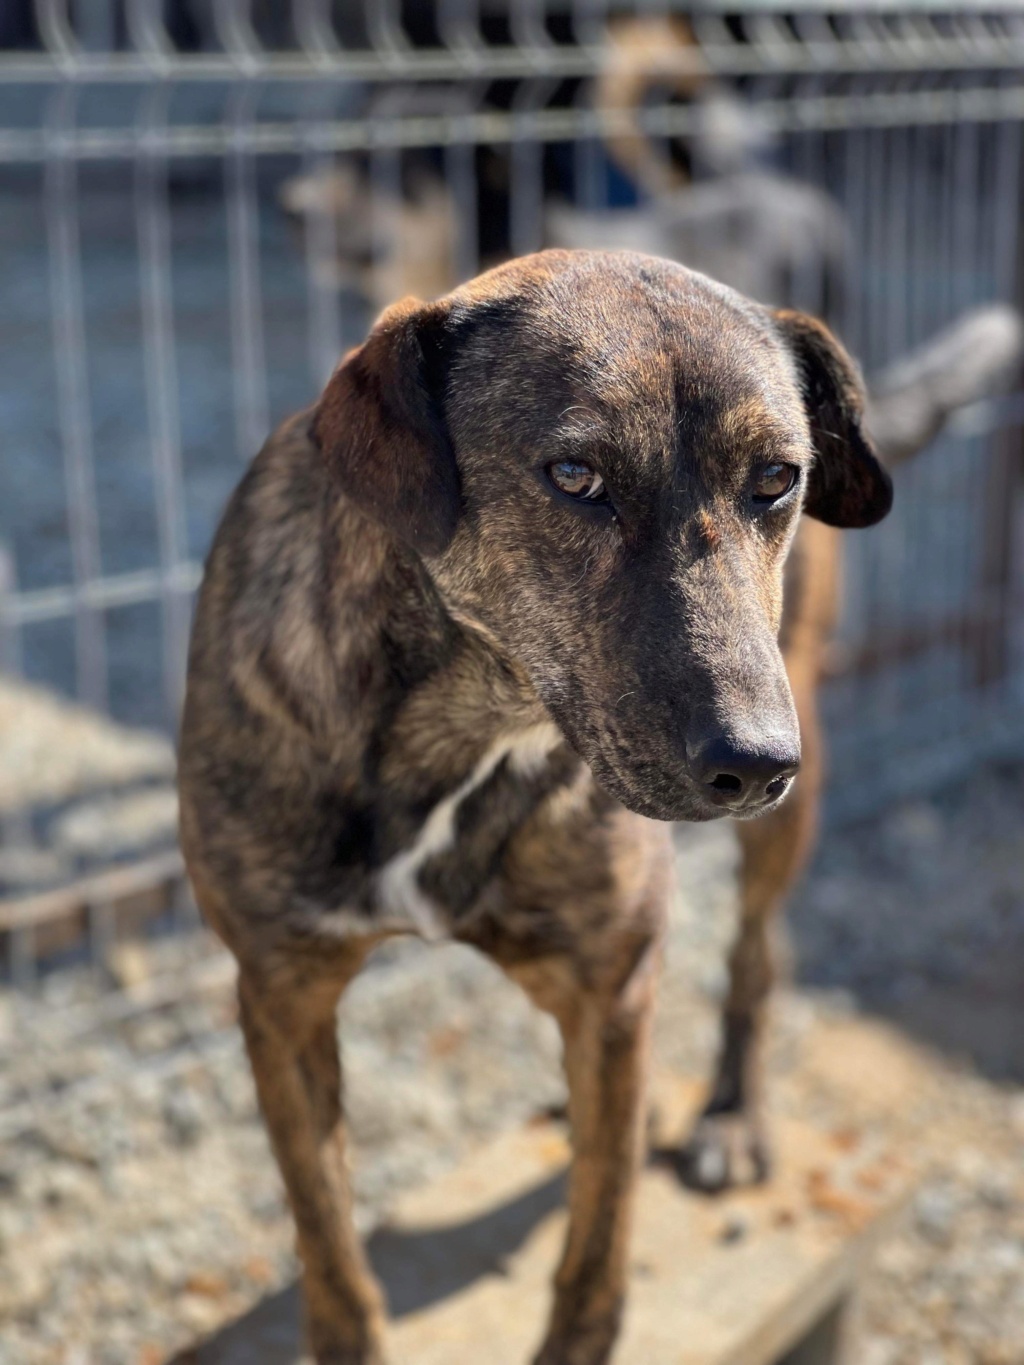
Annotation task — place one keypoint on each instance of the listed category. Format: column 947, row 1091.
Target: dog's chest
column 435, row 880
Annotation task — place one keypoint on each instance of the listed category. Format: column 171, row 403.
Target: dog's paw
column 589, row 1344
column 345, row 1355
column 326, row 1349
column 574, row 1353
column 723, row 1151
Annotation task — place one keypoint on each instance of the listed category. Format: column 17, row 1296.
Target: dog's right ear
column 380, row 426
column 848, row 485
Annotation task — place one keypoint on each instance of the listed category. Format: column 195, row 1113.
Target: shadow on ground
column 979, row 1023
column 918, row 914
column 417, row 1269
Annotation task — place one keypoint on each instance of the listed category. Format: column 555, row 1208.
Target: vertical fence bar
column 893, row 211
column 73, row 406
column 1006, row 220
column 1008, row 154
column 315, row 31
column 526, row 207
column 590, row 172
column 919, row 228
column 1002, row 494
column 460, row 166
column 153, row 211
column 23, row 963
column 15, row 825
column 252, row 418
column 851, row 318
column 10, row 635
column 854, row 162
column 385, row 225
column 320, row 233
column 811, row 267
column 965, row 213
column 101, row 922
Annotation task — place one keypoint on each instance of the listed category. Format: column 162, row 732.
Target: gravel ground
column 919, row 916
column 77, row 791
column 139, row 1207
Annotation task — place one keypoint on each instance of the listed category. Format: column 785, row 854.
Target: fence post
column 10, row 652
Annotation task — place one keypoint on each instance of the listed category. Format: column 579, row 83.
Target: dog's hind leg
column 729, row 1143
column 290, row 1032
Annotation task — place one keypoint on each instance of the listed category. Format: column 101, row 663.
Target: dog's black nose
column 743, row 776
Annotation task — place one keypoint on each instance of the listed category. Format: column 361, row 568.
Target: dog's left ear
column 381, row 428
column 848, row 485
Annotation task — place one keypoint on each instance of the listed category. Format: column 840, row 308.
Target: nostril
column 726, row 782
column 738, row 775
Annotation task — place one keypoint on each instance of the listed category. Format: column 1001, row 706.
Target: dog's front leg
column 606, row 1037
column 291, row 1036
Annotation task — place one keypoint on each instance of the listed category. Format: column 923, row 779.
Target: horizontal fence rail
column 808, row 39
column 794, row 114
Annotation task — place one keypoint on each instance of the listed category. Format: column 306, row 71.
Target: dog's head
column 601, row 460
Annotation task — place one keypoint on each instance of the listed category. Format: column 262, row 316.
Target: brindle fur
column 428, row 693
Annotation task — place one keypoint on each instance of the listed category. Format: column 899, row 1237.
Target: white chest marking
column 398, row 886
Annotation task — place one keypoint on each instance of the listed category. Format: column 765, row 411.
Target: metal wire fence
column 202, row 202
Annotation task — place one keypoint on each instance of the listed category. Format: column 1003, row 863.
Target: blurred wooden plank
column 736, row 1281
column 115, row 885
column 757, row 1277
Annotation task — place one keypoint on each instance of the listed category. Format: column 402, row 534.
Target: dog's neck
column 447, row 716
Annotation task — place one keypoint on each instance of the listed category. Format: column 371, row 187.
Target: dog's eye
column 578, row 480
column 774, row 482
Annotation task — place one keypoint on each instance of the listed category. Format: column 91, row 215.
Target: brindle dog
column 504, row 601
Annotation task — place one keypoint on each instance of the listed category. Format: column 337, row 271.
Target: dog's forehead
column 644, row 349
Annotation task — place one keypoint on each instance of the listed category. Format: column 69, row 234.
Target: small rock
column 206, row 1284
column 1017, row 1113
column 70, row 1187
column 267, row 1206
column 735, row 1228
column 129, row 965
column 879, row 1351
column 1005, row 1257
column 184, row 1117
column 199, row 1312
column 934, row 1211
column 996, row 1191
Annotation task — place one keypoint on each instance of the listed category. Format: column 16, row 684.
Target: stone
column 184, row 1116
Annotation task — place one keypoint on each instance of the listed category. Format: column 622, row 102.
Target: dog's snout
column 742, row 776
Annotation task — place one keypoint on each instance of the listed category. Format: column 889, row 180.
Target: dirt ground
column 139, row 1207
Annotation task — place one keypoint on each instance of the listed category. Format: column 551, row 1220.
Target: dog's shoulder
column 274, row 515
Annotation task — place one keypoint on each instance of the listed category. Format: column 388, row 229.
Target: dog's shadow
column 416, row 1269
